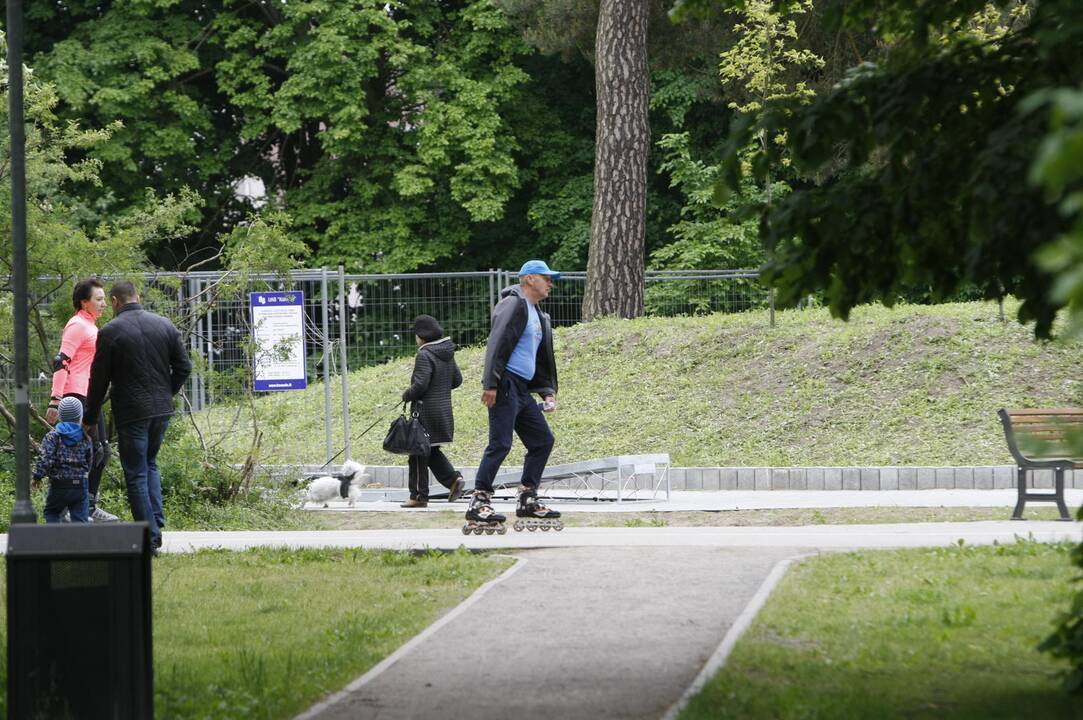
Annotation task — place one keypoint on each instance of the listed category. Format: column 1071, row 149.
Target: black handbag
column 407, row 436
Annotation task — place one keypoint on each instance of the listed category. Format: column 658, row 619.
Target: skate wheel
column 502, row 530
column 531, row 528
column 545, row 528
column 560, row 527
column 489, row 531
column 519, row 526
column 478, row 531
column 466, row 529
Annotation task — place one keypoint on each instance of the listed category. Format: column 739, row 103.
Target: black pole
column 23, row 511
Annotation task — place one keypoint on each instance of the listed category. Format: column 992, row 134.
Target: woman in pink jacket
column 71, row 376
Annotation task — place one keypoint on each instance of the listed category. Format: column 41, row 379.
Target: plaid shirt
column 65, row 465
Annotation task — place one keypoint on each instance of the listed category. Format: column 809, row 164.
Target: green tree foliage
column 763, row 63
column 385, row 120
column 378, row 126
column 921, row 158
column 708, row 235
column 59, row 248
column 398, row 136
column 143, row 70
column 1058, row 169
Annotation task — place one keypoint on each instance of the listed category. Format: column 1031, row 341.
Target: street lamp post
column 23, row 511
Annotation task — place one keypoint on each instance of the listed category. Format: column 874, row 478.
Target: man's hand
column 52, row 415
column 550, row 404
column 488, row 398
column 91, row 430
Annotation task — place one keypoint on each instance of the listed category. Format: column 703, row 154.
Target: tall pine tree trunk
column 618, row 223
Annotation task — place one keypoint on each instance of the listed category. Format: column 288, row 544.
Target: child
column 66, row 457
column 435, row 376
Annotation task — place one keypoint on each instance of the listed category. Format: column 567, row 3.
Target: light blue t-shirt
column 525, row 353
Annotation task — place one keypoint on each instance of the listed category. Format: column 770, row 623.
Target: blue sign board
column 278, row 329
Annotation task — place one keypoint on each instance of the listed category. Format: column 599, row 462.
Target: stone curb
column 909, row 477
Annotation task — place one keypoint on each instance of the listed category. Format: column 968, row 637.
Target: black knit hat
column 426, row 328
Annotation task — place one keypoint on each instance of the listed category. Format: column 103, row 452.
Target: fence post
column 326, row 366
column 342, row 313
column 193, row 341
column 181, row 303
column 210, row 350
column 771, row 295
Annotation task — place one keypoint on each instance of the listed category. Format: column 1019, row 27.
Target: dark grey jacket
column 508, row 323
column 142, row 355
column 435, row 375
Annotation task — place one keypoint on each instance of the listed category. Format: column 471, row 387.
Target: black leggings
column 94, row 478
column 419, row 472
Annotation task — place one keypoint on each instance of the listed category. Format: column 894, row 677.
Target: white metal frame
column 595, row 479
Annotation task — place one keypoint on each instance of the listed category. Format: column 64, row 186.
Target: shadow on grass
column 861, row 695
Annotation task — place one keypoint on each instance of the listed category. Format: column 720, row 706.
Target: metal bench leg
column 1064, row 515
column 1022, row 501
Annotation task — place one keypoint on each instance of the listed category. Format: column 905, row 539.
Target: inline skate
column 531, row 515
column 481, row 518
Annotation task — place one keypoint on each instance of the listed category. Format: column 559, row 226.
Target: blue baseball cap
column 537, row 267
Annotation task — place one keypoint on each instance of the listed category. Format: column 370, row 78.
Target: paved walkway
column 813, row 537
column 582, row 633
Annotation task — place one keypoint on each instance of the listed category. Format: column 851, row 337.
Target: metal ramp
column 616, row 478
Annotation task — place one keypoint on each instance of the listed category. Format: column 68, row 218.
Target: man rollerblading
column 519, row 363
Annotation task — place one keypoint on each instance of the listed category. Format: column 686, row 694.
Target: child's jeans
column 75, row 499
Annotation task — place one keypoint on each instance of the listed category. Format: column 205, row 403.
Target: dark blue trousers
column 515, row 410
column 74, row 499
column 138, row 444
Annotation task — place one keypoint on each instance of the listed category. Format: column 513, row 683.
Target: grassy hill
column 915, row 385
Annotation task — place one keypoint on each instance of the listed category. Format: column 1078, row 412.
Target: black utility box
column 79, row 621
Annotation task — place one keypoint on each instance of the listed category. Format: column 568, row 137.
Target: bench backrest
column 1036, row 435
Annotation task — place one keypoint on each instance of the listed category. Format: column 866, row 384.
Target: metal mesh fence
column 371, row 316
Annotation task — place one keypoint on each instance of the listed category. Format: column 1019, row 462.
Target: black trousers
column 94, row 478
column 419, row 472
column 515, row 409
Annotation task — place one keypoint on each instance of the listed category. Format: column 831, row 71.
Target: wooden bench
column 1043, row 440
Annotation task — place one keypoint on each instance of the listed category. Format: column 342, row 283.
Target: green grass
column 266, row 633
column 944, row 633
column 251, row 512
column 916, row 385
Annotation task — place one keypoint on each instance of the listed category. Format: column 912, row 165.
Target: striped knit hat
column 71, row 410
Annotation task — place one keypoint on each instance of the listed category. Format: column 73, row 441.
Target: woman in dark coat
column 435, row 376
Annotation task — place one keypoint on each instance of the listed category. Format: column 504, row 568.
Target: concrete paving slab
column 822, row 537
column 576, row 634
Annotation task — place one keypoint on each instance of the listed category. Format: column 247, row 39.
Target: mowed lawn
column 942, row 633
column 266, row 633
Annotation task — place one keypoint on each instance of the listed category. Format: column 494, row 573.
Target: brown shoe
column 412, row 503
column 456, row 489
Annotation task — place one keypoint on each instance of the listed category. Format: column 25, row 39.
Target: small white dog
column 345, row 485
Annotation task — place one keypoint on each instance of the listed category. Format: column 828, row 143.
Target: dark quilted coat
column 142, row 355
column 435, row 375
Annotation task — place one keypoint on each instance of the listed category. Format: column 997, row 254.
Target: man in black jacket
column 519, row 360
column 143, row 357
